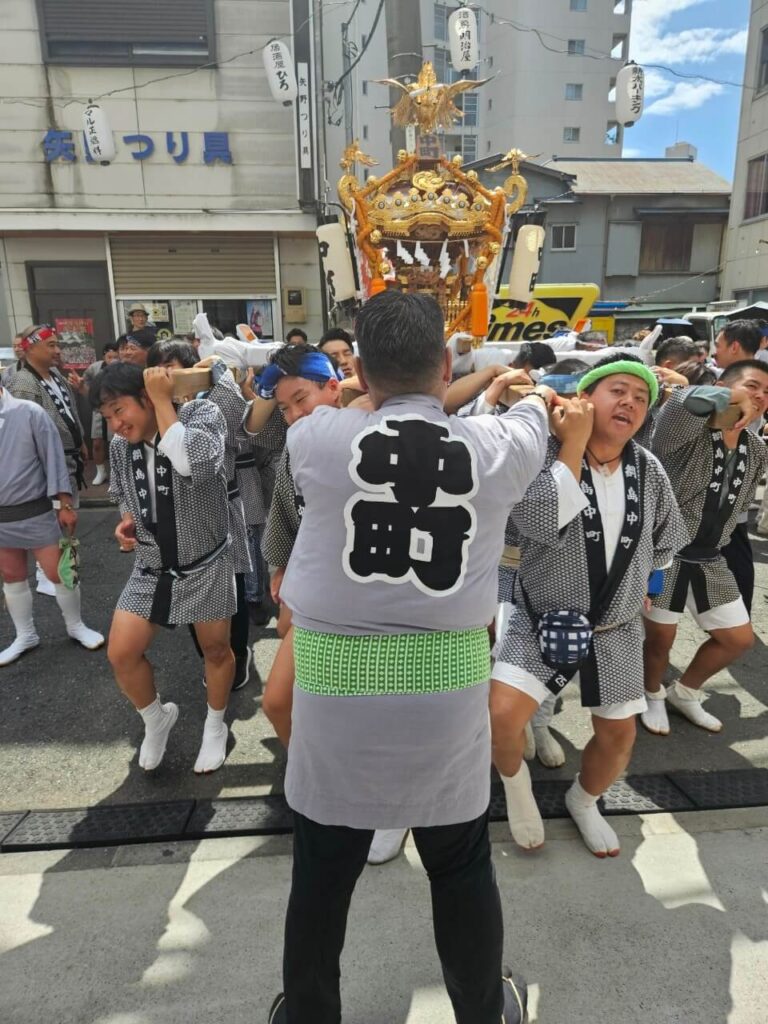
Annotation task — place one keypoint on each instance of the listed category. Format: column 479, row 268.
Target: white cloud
column 628, row 153
column 656, row 84
column 685, row 96
column 652, row 43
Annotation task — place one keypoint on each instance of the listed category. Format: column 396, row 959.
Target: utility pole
column 404, row 54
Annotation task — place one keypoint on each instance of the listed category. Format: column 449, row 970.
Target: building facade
column 552, row 68
column 203, row 207
column 745, row 273
column 645, row 231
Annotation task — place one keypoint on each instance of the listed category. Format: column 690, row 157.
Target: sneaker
column 277, row 1011
column 242, row 670
column 515, row 1000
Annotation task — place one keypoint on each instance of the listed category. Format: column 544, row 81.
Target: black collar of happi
column 63, row 402
column 716, row 512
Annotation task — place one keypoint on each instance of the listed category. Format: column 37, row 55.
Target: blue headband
column 314, row 366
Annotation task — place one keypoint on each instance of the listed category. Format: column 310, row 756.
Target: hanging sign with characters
column 630, row 92
column 278, row 64
column 462, row 33
column 554, row 307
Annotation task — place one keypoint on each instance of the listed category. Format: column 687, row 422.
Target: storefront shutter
column 194, row 265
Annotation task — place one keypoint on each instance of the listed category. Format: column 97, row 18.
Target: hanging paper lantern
column 98, row 135
column 337, row 263
column 278, row 64
column 630, row 92
column 462, row 34
column 526, row 262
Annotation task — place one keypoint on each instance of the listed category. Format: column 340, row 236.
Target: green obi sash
column 382, row 665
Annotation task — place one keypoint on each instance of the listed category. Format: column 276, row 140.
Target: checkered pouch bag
column 564, row 639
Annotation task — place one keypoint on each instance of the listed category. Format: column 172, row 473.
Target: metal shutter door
column 202, row 266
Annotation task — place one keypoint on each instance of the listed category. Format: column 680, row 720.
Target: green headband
column 621, row 366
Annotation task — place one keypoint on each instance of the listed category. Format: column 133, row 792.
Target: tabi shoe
column 548, row 750
column 20, row 646
column 655, row 718
column 689, row 703
column 102, row 476
column 44, row 585
column 277, row 1011
column 523, row 814
column 386, row 844
column 242, row 670
column 87, row 638
column 515, row 1000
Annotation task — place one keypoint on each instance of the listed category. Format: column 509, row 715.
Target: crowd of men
column 442, row 551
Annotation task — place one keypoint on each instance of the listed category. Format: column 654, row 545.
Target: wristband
column 58, row 507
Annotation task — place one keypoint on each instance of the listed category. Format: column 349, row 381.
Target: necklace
column 603, row 467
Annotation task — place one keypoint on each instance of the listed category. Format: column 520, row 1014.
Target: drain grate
column 645, row 794
column 100, row 826
column 242, row 816
column 741, row 787
column 8, row 822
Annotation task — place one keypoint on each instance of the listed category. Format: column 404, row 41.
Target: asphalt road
column 69, row 739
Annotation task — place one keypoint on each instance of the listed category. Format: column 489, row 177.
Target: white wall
column 299, row 268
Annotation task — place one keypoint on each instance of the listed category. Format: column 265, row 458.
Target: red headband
column 42, row 335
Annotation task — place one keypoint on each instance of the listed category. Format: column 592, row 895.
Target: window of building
column 578, row 5
column 576, row 47
column 619, row 49
column 365, row 131
column 571, row 134
column 762, row 68
column 442, row 14
column 756, row 204
column 112, row 32
column 563, row 237
column 469, row 105
column 469, row 148
column 574, row 91
column 613, row 133
column 619, row 6
column 666, row 247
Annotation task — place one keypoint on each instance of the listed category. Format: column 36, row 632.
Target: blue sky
column 701, row 37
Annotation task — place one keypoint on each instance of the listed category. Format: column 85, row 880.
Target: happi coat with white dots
column 714, row 488
column 554, row 573
column 200, row 520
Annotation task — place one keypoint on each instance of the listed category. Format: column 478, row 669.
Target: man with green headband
column 592, row 527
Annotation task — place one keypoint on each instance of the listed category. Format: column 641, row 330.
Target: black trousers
column 238, row 636
column 741, row 561
column 466, row 914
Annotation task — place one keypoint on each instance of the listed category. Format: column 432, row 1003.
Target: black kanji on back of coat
column 396, row 532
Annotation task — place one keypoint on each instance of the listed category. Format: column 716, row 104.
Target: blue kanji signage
column 60, row 146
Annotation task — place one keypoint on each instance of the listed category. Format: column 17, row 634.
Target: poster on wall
column 78, row 349
column 259, row 313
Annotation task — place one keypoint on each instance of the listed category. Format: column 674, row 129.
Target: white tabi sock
column 69, row 603
column 529, row 751
column 159, row 719
column 18, row 598
column 548, row 750
column 688, row 703
column 102, row 474
column 523, row 815
column 213, row 749
column 655, row 719
column 595, row 830
column 386, row 844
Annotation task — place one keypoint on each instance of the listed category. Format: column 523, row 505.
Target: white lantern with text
column 337, row 263
column 278, row 63
column 630, row 93
column 526, row 262
column 462, row 35
column 98, row 135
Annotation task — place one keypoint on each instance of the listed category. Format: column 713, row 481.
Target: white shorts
column 725, row 616
column 527, row 683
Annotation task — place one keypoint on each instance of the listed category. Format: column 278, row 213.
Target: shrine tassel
column 378, row 285
column 478, row 310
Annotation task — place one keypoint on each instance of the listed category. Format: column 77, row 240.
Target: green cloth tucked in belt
column 399, row 664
